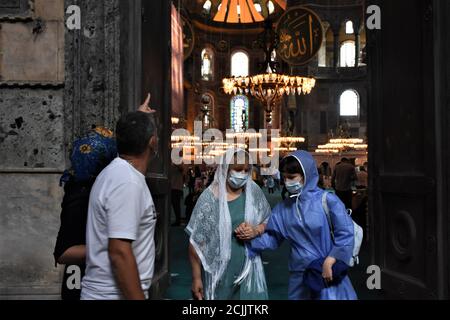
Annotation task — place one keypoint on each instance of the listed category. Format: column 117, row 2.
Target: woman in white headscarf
column 231, row 211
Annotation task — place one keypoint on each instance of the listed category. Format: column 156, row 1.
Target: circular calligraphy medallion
column 301, row 34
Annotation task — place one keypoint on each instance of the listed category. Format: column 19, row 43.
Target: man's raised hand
column 145, row 107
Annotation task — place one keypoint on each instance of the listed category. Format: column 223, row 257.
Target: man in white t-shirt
column 120, row 248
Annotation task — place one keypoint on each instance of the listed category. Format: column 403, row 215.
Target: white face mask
column 237, row 180
column 294, row 186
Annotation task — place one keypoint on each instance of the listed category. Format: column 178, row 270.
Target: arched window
column 348, row 54
column 207, row 64
column 270, row 7
column 239, row 109
column 207, row 6
column 349, row 104
column 349, row 27
column 239, row 64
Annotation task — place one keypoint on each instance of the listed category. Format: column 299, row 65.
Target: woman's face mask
column 237, row 180
column 294, row 185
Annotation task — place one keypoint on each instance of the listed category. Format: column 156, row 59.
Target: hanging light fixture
column 286, row 144
column 207, row 6
column 269, row 87
column 342, row 145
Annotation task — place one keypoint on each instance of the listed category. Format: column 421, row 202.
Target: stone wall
column 54, row 84
column 29, row 219
column 32, row 147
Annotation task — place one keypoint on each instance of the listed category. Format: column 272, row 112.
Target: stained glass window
column 239, row 111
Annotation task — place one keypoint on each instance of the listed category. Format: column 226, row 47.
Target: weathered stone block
column 49, row 10
column 31, row 129
column 29, row 222
column 30, row 54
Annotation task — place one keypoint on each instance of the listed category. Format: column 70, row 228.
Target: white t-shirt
column 120, row 207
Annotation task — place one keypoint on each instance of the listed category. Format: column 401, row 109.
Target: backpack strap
column 327, row 213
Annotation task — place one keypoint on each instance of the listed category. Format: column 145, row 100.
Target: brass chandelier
column 342, row 145
column 269, row 87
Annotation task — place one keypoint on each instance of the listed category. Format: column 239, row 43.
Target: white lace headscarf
column 211, row 231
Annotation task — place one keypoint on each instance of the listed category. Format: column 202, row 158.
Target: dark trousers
column 176, row 204
column 346, row 198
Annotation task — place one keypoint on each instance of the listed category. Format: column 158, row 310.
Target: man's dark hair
column 133, row 133
column 345, row 160
column 290, row 165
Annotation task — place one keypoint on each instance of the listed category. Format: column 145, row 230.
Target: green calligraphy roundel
column 301, row 34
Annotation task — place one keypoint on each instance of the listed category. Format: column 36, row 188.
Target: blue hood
column 309, row 167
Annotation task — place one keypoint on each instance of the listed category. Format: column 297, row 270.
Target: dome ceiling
column 234, row 12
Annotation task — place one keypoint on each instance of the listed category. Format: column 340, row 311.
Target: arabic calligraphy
column 301, row 35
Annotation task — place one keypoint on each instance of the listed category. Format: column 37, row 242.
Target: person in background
column 191, row 179
column 344, row 176
column 176, row 183
column 191, row 200
column 197, row 172
column 211, row 172
column 277, row 178
column 325, row 175
column 361, row 197
column 362, row 178
column 270, row 184
column 321, row 183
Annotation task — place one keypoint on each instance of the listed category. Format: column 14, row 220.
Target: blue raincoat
column 302, row 221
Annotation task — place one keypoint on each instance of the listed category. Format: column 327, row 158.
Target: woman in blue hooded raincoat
column 302, row 221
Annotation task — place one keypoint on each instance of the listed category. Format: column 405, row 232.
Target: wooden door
column 408, row 236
